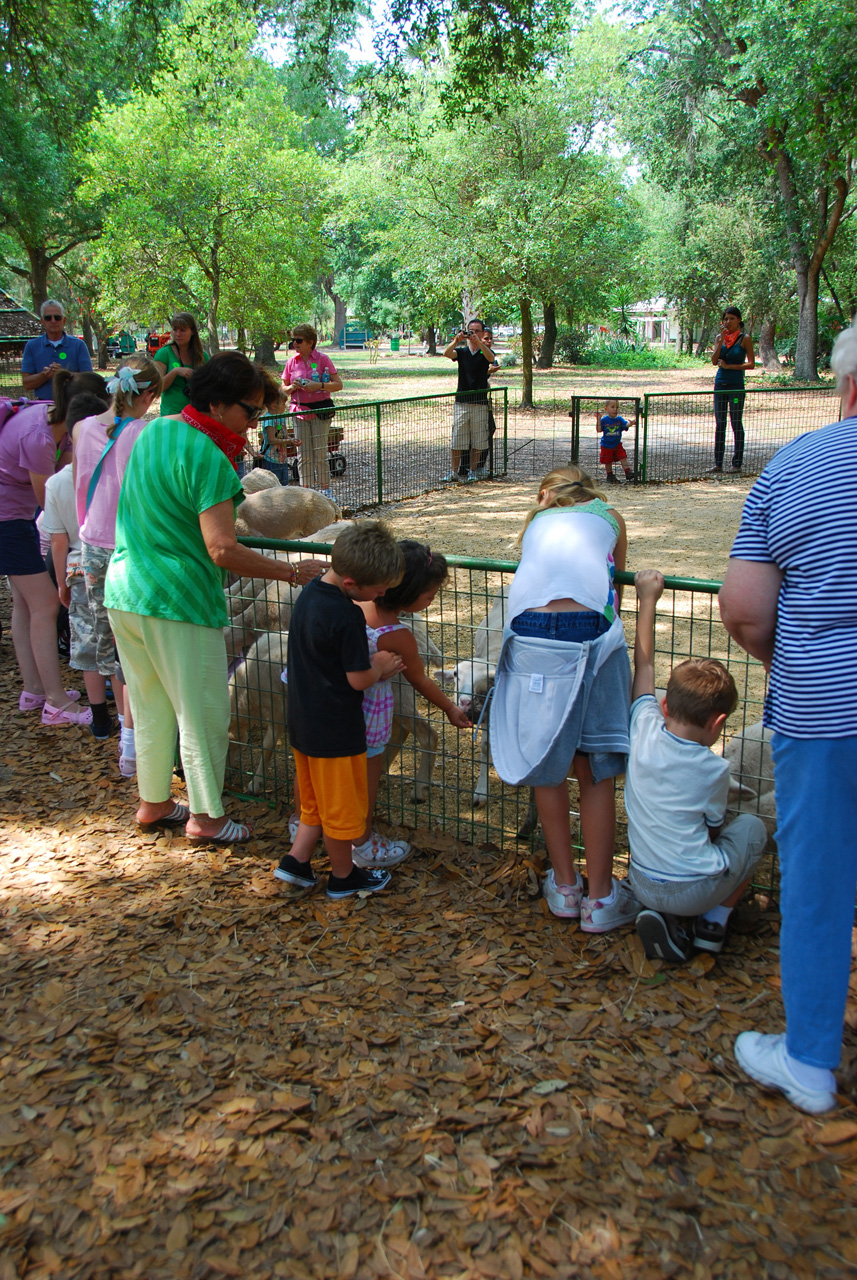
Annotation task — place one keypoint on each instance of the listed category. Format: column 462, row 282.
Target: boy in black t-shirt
column 329, row 667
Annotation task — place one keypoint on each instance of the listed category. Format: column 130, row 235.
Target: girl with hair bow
column 102, row 446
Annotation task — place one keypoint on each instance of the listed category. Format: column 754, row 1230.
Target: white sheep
column 472, row 678
column 260, row 604
column 258, row 695
column 751, row 783
column 257, row 480
column 285, row 512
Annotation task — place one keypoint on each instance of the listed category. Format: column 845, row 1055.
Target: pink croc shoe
column 35, row 701
column 65, row 715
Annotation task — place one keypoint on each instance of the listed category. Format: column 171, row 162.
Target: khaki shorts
column 469, row 427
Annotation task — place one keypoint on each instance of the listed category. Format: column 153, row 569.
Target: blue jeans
column 575, row 625
column 817, row 843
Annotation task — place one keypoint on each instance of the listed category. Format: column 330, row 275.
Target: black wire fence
column 439, row 777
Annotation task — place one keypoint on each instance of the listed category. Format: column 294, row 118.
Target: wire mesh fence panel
column 386, row 450
column 441, row 777
column 10, row 377
column 681, row 429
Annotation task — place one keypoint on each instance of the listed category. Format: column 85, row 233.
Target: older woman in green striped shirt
column 175, row 538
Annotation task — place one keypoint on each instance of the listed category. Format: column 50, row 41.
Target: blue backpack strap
column 96, row 474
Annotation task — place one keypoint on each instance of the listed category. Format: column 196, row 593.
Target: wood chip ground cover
column 206, row 1076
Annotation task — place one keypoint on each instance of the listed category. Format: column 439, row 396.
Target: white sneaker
column 764, row 1058
column 472, row 477
column 452, row 477
column 562, row 899
column 596, row 917
column 379, row 851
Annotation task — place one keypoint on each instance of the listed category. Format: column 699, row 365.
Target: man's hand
column 649, row 584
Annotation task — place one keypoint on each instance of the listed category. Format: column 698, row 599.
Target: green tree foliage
column 209, row 203
column 774, row 78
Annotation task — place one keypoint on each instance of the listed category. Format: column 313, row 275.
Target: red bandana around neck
column 729, row 339
column 227, row 441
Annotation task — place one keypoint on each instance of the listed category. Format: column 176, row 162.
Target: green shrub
column 570, row 346
column 625, row 353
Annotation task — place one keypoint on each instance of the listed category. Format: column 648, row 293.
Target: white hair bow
column 125, row 382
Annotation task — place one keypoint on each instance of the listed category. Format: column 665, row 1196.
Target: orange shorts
column 334, row 793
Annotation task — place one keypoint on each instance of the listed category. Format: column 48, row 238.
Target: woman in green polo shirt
column 175, row 538
column 180, row 357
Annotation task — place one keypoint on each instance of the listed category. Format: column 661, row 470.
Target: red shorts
column 612, row 455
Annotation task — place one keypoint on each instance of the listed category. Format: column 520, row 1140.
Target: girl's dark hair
column 424, row 568
column 227, row 378
column 86, row 404
column 67, row 384
column 732, row 311
column 185, row 320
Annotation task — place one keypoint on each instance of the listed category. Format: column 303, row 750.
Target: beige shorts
column 469, row 426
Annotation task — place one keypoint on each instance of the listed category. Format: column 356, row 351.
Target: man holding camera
column 475, row 360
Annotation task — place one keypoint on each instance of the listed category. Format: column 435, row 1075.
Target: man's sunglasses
column 47, row 317
column 253, row 411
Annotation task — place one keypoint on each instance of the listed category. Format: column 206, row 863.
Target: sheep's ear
column 446, row 678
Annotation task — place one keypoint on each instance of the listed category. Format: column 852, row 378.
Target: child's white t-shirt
column 674, row 791
column 60, row 513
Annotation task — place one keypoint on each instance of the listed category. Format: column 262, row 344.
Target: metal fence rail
column 433, row 779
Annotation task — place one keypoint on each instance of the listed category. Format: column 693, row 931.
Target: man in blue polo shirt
column 54, row 350
column 790, row 599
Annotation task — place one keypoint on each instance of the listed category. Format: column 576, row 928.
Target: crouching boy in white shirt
column 687, row 868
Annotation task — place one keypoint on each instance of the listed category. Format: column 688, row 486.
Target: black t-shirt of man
column 327, row 637
column 472, row 375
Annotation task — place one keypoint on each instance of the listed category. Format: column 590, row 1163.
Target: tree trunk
column 430, row 339
column 806, row 347
column 339, row 310
column 241, row 342
column 767, row 350
column 545, row 360
column 702, row 345
column 39, row 265
column 263, row 350
column 87, row 332
column 527, row 352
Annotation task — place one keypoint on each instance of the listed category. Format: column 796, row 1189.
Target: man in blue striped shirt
column 790, row 599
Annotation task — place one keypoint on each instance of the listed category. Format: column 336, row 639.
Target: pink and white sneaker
column 379, row 852
column 563, row 899
column 600, row 917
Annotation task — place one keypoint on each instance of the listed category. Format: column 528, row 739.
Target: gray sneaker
column 598, row 917
column 664, row 937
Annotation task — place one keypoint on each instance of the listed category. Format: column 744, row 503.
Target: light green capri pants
column 176, row 674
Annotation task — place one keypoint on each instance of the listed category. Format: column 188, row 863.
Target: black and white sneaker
column 299, row 874
column 708, row 935
column 664, row 937
column 358, row 880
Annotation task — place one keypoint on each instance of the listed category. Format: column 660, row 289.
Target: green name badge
column 62, row 355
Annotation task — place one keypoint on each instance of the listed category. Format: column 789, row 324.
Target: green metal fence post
column 505, row 430
column 644, row 463
column 379, row 461
column 575, row 428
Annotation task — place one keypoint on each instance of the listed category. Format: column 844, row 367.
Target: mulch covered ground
column 204, row 1076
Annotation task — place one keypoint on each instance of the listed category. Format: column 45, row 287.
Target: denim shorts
column 20, row 553
column 576, row 625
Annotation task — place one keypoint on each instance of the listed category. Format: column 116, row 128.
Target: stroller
column 278, row 438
